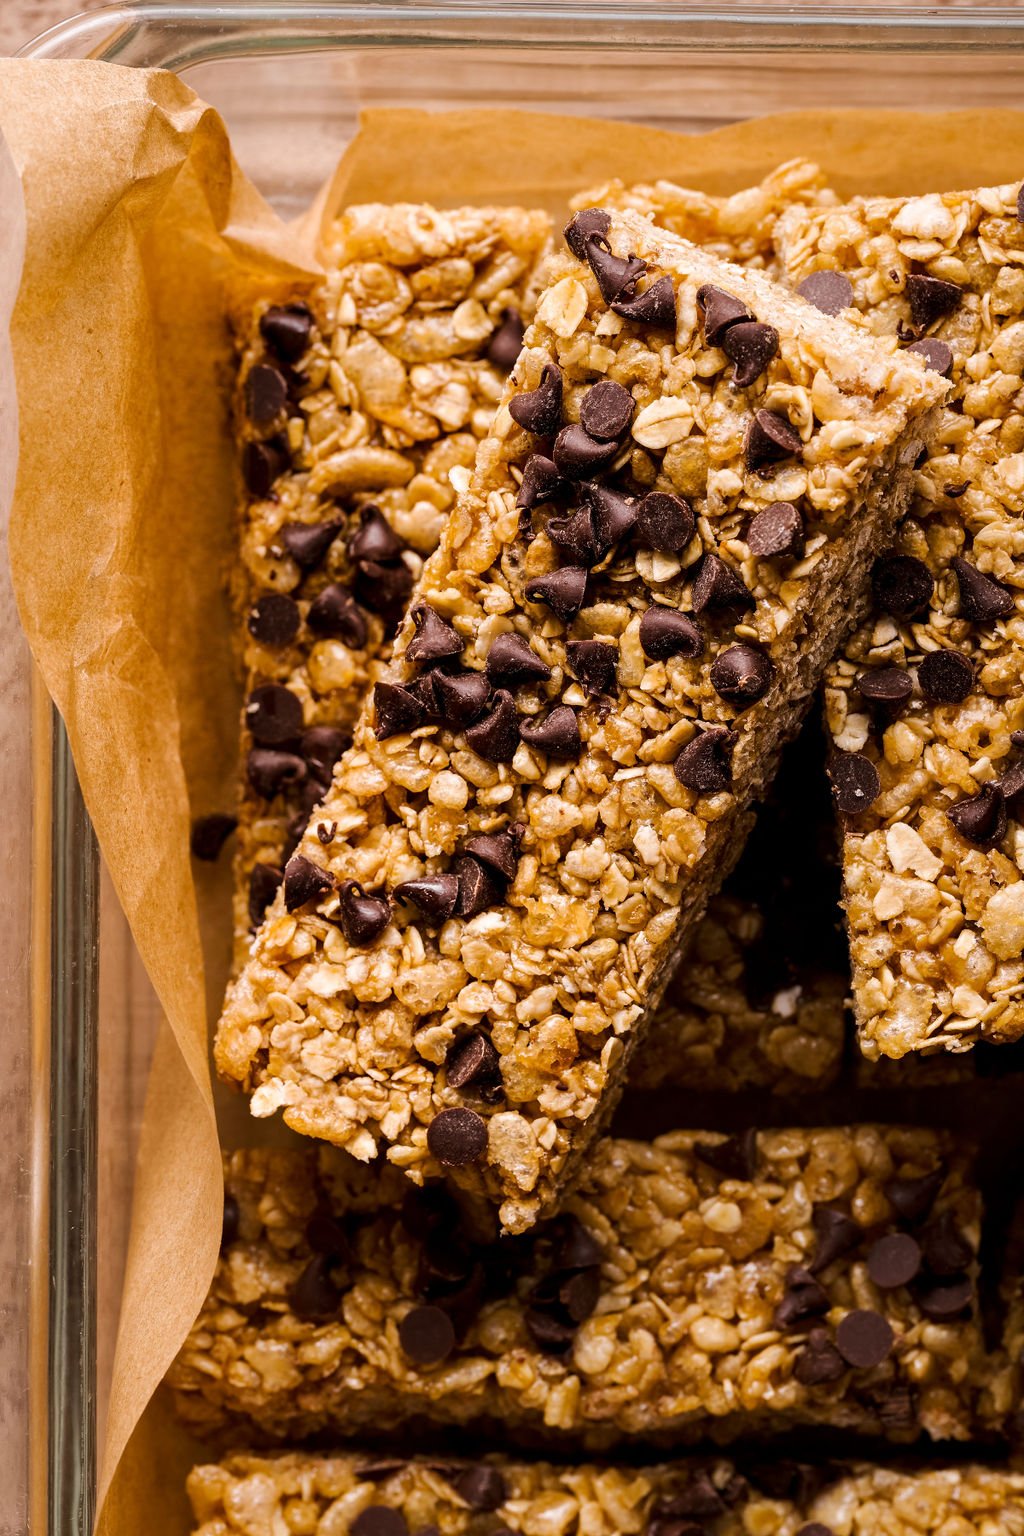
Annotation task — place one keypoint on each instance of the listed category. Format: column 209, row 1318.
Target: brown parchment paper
column 139, row 223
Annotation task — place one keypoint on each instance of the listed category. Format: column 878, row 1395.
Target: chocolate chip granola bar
column 926, row 702
column 692, row 1285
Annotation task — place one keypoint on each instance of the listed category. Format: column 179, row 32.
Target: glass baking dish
column 290, row 79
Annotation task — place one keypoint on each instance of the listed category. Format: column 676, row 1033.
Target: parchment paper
column 139, row 222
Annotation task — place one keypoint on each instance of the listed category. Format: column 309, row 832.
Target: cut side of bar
column 926, row 701
column 344, row 1492
column 695, row 1285
column 602, row 661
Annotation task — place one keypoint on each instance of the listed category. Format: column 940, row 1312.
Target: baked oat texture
column 326, row 1495
column 592, row 851
column 693, row 1285
column 934, row 892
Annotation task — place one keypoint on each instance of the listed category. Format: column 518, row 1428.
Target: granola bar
column 594, row 682
column 352, row 410
column 692, row 1285
column 926, row 702
column 331, row 1494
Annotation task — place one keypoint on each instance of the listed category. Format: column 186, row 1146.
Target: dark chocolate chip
column 579, row 1248
column 946, row 677
column 273, row 714
column 558, row 734
column 837, row 1234
column 936, row 354
column 741, row 675
column 718, row 587
column 1012, row 784
column 264, row 880
column 209, row 834
column 231, row 1221
column 374, row 539
column 305, row 881
column 563, row 591
column 427, row 1334
column 705, row 763
column 433, row 896
column 540, row 410
column 579, row 1294
column 269, row 771
column 664, row 633
column 946, row 1250
column 1020, row 204
column 886, row 685
column 481, row 1487
column 804, row 1298
column 981, row 598
column 511, row 659
column 334, row 614
column 496, row 736
column 894, row 1260
column 363, row 918
column 770, row 437
column 721, row 310
column 930, row 298
column 506, row 343
column 582, row 225
column 321, row 747
column 775, row 530
column 829, row 292
column 435, row 638
column 457, row 1137
column 864, row 1339
column 613, row 514
column 308, row 543
column 461, row 696
column 577, row 455
column 286, row 329
column 855, row 782
column 815, row 1528
column 665, row 522
column 274, row 620
column 551, row 1334
column 981, row 819
column 606, row 410
column 701, row 1500
column 735, row 1157
column 325, row 1234
column 397, row 710
column 617, row 276
column 266, row 394
column 314, row 1296
column 541, row 482
column 594, row 663
column 472, row 1061
column 945, row 1300
column 480, row 886
column 655, row 307
column 913, row 1198
column 750, row 346
column 576, row 537
column 384, row 589
column 894, row 1404
column 379, row 1520
column 261, row 465
column 956, row 491
column 819, row 1362
column 902, row 585
column 498, row 850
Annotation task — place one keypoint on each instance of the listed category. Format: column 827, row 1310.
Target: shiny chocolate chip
column 433, row 896
column 472, row 1062
column 304, row 882
column 362, row 918
column 308, row 543
column 665, row 522
column 982, row 599
column 496, row 736
column 902, row 586
column 541, row 482
column 719, row 588
column 266, row 394
column 912, row 1198
column 557, row 734
column 837, row 1234
column 855, row 782
column 498, row 850
column 540, row 410
column 457, row 1137
column 286, row 329
column 705, row 763
column 480, row 886
column 427, row 1335
column 577, row 455
column 264, row 880
column 665, row 633
column 946, row 1250
column 943, row 1300
column 461, row 696
column 803, row 1298
column 775, row 530
column 506, row 343
column 274, row 620
column 209, row 834
column 606, row 411
column 894, row 1260
column 582, row 225
column 269, row 771
column 946, row 677
column 397, row 710
column 613, row 514
column 930, row 298
column 721, row 310
column 314, row 1296
column 435, row 639
column 617, row 276
column 981, row 819
column 321, row 747
column 735, row 1157
column 384, row 590
column 262, row 463
column 374, row 539
column 750, row 347
column 655, row 307
column 593, row 663
column 864, row 1339
column 770, row 438
column 819, row 1362
column 890, row 686
column 936, row 354
column 334, row 614
column 562, row 591
column 829, row 292
column 273, row 714
column 576, row 537
column 741, row 675
column 512, row 660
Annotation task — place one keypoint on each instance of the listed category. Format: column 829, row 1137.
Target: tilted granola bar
column 603, row 659
column 311, row 1494
column 927, row 697
column 352, row 409
column 692, row 1285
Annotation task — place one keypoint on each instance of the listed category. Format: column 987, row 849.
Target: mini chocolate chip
column 563, row 591
column 617, row 276
column 231, row 1221
column 397, row 710
column 945, row 1300
column 902, row 586
column 956, row 491
column 496, row 736
column 981, row 598
column 837, row 1234
column 981, row 819
column 209, row 834
column 946, row 677
column 664, row 633
column 286, row 328
column 936, row 354
column 363, row 918
column 457, row 1137
column 558, row 734
column 750, row 346
column 379, row 1520
column 384, row 590
column 894, row 1260
column 719, row 587
column 804, row 1297
column 480, row 886
column 606, row 410
column 433, row 896
column 886, row 685
column 930, row 298
column 655, row 307
column 912, row 1198
column 829, row 292
column 576, row 537
column 705, row 763
column 741, row 675
column 274, row 620
column 775, row 530
column 266, row 394
column 665, row 522
column 334, row 614
column 594, row 663
column 261, row 465
column 374, row 539
column 855, row 782
column 435, row 638
column 721, row 310
column 273, row 714
column 770, row 437
column 735, row 1157
column 481, row 1487
column 864, row 1339
column 472, row 1061
column 582, row 225
column 269, row 771
column 498, row 850
column 613, row 514
column 511, row 659
column 264, row 880
column 541, row 482
column 540, row 410
column 321, row 747
column 578, row 455
column 819, row 1362
column 427, row 1334
column 506, row 343
column 304, row 881
column 461, row 696
column 946, row 1250
column 314, row 1296
column 308, row 543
